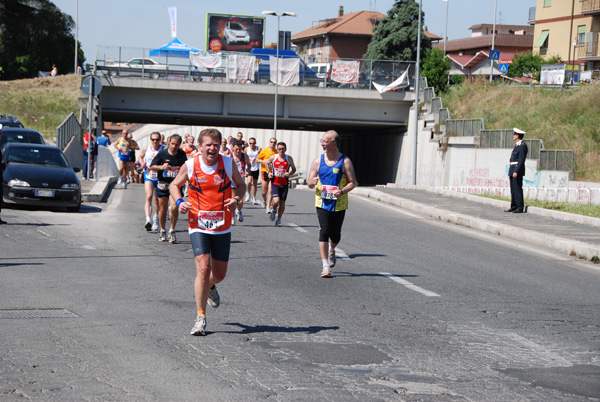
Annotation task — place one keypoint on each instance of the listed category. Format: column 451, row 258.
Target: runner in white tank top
column 252, row 178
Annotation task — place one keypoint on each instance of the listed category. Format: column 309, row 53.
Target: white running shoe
column 240, row 216
column 199, row 326
column 148, row 225
column 171, row 236
column 163, row 235
column 119, row 181
column 332, row 259
column 155, row 225
column 213, row 297
column 254, row 202
column 326, row 273
column 246, row 197
column 278, row 222
column 262, row 204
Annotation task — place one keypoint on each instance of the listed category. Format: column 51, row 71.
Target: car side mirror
column 76, row 169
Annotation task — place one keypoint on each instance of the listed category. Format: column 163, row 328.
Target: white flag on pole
column 173, row 18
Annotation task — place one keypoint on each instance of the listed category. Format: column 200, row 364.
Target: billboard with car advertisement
column 239, row 33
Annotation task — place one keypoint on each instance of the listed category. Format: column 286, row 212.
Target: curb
column 572, row 248
column 99, row 190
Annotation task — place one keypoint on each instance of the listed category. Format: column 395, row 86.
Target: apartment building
column 569, row 29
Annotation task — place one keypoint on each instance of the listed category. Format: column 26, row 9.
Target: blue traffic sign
column 504, row 68
column 495, row 55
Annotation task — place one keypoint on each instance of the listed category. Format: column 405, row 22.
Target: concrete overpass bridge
column 371, row 125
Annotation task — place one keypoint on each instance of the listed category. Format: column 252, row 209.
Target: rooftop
column 357, row 23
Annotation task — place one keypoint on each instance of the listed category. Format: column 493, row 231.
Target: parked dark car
column 27, row 135
column 8, row 120
column 39, row 175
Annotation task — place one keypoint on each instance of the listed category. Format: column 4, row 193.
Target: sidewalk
column 565, row 233
column 95, row 191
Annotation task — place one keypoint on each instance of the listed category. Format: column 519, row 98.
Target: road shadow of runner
column 249, row 329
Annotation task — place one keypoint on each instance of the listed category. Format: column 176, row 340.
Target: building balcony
column 588, row 51
column 531, row 20
column 590, row 7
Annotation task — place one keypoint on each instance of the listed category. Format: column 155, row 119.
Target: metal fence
column 557, row 159
column 115, row 61
column 68, row 129
column 464, row 127
column 504, row 139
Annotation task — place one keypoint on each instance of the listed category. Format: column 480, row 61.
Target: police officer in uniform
column 516, row 171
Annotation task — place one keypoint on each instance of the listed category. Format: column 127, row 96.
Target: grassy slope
column 563, row 119
column 41, row 103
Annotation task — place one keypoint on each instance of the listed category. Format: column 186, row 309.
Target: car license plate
column 44, row 193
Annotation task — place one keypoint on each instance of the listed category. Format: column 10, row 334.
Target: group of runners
column 217, row 178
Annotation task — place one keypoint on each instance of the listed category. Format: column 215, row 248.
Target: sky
column 145, row 24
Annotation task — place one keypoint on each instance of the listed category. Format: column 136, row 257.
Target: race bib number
column 211, row 220
column 327, row 192
column 151, row 174
column 279, row 172
column 124, row 149
column 172, row 172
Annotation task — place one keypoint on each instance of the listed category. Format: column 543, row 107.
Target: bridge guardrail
column 68, row 129
column 112, row 61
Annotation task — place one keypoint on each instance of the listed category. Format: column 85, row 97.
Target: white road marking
column 298, row 228
column 341, row 254
column 44, row 233
column 409, row 285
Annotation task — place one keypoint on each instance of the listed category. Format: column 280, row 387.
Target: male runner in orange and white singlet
column 188, row 146
column 211, row 203
column 283, row 167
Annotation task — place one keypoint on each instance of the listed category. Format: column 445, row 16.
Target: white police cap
column 517, row 131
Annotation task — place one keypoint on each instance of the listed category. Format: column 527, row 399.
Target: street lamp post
column 446, row 30
column 493, row 40
column 417, row 90
column 283, row 14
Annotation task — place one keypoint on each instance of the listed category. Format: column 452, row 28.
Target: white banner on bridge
column 241, row 67
column 289, row 71
column 205, row 60
column 345, row 71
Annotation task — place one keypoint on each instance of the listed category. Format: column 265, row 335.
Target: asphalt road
column 419, row 310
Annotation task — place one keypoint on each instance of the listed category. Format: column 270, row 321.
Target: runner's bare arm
column 292, row 167
column 174, row 189
column 350, row 176
column 141, row 157
column 313, row 177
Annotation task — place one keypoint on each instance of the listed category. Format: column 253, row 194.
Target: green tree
column 436, row 68
column 528, row 62
column 34, row 35
column 395, row 37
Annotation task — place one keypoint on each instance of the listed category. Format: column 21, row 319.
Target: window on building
column 580, row 35
column 542, row 42
column 547, row 3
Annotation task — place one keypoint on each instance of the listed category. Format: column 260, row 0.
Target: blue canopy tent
column 175, row 48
